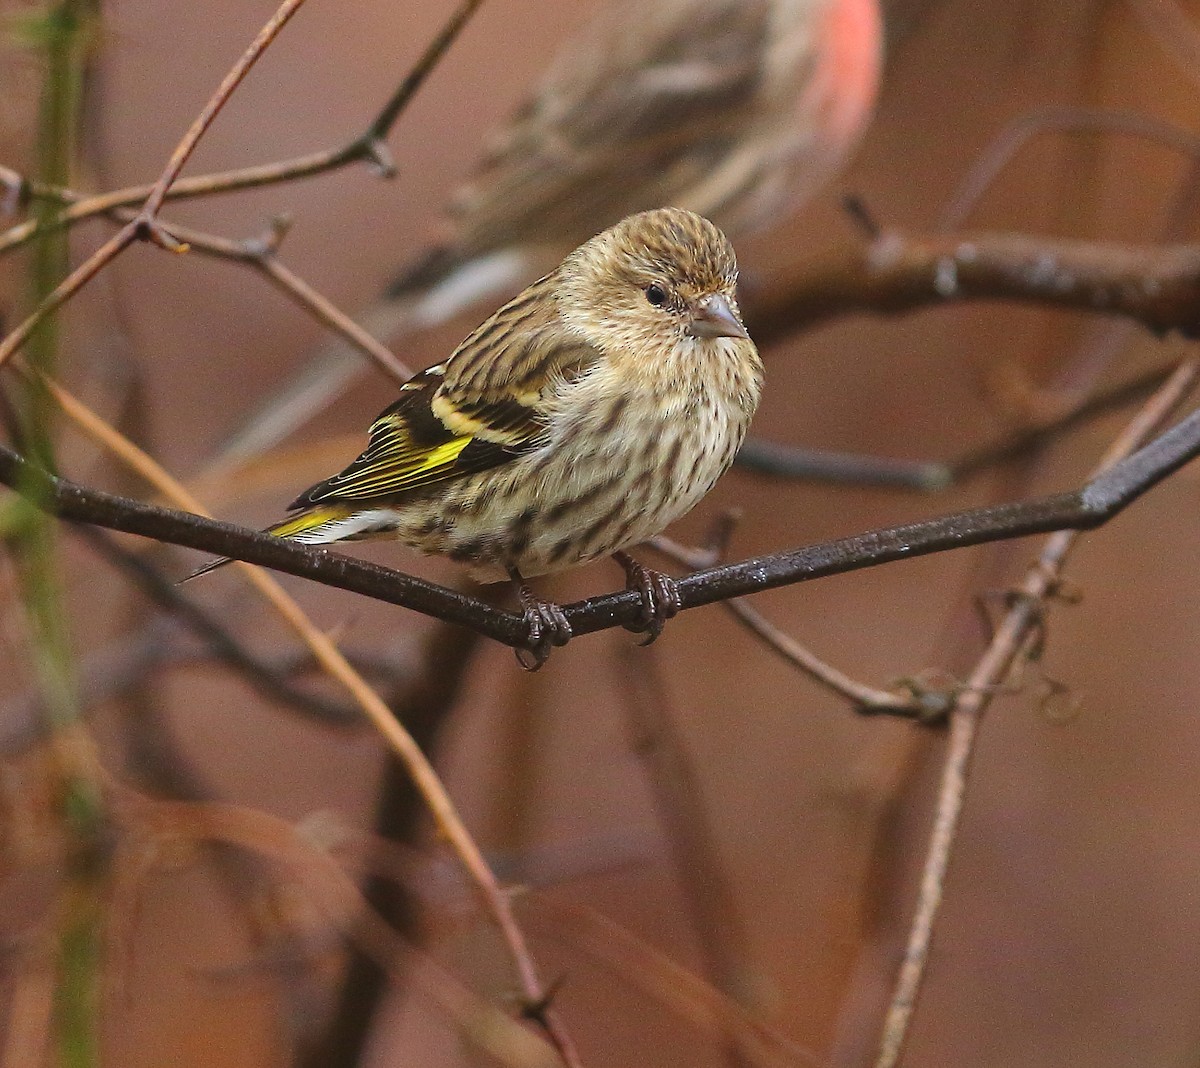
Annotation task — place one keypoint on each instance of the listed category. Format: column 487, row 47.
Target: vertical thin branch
column 415, row 78
column 1009, row 642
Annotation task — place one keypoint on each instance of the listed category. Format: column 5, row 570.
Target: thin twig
column 424, row 706
column 268, row 837
column 866, row 699
column 908, row 702
column 1174, row 31
column 67, row 288
column 1056, row 119
column 261, row 254
column 424, row 67
column 257, row 672
column 1010, row 640
column 217, row 101
column 641, row 966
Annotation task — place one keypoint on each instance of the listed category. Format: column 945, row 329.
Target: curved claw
column 547, row 626
column 659, row 594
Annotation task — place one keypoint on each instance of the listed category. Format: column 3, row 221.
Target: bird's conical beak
column 713, row 317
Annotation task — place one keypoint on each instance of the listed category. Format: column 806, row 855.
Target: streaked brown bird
column 584, row 416
column 734, row 109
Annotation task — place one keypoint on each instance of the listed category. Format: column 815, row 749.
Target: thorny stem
column 1007, row 645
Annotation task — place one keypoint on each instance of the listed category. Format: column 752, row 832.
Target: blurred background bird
column 735, row 109
column 587, row 414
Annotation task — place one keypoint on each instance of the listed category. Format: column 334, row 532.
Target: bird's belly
column 562, row 506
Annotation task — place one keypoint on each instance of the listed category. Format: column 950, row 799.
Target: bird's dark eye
column 656, row 295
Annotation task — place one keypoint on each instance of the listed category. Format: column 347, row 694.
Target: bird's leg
column 546, row 623
column 659, row 594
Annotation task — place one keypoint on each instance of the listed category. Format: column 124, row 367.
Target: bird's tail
column 296, row 527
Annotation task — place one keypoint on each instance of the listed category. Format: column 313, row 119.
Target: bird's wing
column 478, row 410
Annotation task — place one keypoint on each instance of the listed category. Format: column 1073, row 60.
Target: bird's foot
column 546, row 627
column 659, row 594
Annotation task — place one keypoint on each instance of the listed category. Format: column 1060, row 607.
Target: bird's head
column 663, row 277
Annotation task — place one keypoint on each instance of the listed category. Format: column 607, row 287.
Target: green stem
column 62, row 32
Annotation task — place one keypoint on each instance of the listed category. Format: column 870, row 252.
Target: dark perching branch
column 1158, row 287
column 1083, row 509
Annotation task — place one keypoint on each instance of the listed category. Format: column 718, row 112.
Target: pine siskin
column 584, row 416
column 735, row 109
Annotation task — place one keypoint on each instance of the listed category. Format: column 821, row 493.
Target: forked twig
column 367, row 146
column 145, row 225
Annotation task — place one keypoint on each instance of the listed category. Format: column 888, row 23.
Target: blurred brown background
column 1069, row 934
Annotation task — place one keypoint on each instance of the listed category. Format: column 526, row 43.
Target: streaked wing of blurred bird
column 735, row 109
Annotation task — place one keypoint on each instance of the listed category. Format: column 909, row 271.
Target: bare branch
column 183, row 151
column 686, row 823
column 1057, row 119
column 1158, row 287
column 258, row 673
column 909, row 704
column 424, row 706
column 661, row 980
